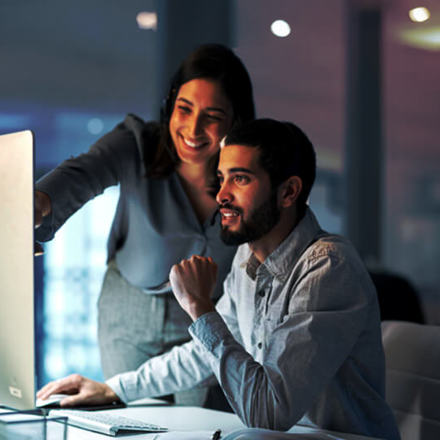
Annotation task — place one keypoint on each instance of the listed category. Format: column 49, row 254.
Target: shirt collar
column 280, row 262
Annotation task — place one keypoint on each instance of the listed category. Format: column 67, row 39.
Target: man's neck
column 264, row 246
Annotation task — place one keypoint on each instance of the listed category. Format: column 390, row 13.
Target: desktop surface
column 194, row 423
column 176, row 418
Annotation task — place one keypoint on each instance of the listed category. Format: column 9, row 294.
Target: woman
column 166, row 208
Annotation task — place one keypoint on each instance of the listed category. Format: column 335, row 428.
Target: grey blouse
column 155, row 225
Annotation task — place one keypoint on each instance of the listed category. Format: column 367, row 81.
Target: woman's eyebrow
column 186, row 101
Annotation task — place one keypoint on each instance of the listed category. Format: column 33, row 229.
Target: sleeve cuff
column 48, row 185
column 115, row 383
column 209, row 330
column 46, row 230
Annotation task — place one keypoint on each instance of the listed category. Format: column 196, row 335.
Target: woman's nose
column 195, row 125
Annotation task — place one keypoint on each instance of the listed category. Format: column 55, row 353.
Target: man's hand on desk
column 82, row 391
column 193, row 282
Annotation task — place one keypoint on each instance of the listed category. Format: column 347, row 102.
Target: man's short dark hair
column 284, row 151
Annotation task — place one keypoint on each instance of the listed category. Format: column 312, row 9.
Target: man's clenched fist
column 193, row 282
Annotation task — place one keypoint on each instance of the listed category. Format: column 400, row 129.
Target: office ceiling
column 54, row 51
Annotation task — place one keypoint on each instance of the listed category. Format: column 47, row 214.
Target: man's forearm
column 181, row 368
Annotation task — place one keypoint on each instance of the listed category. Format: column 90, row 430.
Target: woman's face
column 201, row 117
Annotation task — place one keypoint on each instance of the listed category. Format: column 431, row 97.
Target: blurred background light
column 419, row 14
column 13, row 121
column 280, row 28
column 95, row 126
column 426, row 38
column 147, row 20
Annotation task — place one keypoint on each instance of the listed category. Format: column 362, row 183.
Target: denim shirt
column 295, row 339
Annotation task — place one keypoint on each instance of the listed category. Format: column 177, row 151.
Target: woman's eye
column 184, row 109
column 215, row 118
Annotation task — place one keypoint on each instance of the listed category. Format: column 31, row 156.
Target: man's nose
column 223, row 195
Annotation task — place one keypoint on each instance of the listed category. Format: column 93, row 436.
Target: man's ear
column 290, row 190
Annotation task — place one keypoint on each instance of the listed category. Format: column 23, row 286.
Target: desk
column 187, row 418
column 174, row 417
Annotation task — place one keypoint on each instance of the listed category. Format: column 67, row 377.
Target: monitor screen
column 17, row 359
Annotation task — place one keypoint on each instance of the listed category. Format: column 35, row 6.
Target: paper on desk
column 184, row 435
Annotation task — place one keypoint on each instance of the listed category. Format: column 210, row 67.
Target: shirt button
column 259, row 345
column 261, row 293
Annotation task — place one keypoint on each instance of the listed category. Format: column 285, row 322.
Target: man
column 296, row 335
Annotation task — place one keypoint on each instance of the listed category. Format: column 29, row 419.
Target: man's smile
column 229, row 214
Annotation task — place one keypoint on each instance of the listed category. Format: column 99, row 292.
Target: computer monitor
column 17, row 355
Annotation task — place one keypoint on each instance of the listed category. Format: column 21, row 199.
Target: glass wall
column 300, row 77
column 70, row 72
column 73, row 71
column 74, row 265
column 411, row 116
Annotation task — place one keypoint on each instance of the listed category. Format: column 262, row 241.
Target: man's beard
column 261, row 221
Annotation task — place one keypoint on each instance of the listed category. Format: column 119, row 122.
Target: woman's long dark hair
column 209, row 61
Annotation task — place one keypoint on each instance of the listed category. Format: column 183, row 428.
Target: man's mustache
column 231, row 207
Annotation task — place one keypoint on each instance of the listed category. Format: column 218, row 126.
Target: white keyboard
column 106, row 423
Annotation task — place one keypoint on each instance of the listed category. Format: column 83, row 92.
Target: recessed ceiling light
column 419, row 14
column 147, row 20
column 280, row 28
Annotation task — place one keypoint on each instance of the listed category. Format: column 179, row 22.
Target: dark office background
column 359, row 77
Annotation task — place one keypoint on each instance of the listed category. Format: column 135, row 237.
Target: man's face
column 248, row 205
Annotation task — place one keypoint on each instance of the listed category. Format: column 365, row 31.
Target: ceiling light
column 419, row 14
column 280, row 28
column 147, row 20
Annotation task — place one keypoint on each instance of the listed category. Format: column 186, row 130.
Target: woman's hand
column 82, row 391
column 192, row 282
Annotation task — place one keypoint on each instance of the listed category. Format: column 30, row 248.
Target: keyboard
column 105, row 423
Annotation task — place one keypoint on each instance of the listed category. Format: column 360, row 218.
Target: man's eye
column 220, row 179
column 241, row 180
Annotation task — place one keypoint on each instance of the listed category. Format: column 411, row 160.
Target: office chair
column 398, row 298
column 412, row 353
